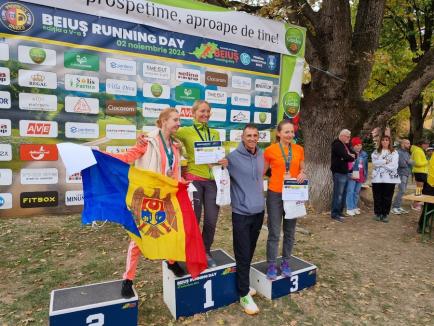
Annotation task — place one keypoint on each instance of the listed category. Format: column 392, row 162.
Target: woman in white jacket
column 384, row 177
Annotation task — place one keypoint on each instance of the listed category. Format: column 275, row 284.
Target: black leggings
column 383, row 194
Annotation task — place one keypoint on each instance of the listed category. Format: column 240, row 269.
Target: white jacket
column 385, row 167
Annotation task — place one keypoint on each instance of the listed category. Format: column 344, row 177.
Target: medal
column 170, row 173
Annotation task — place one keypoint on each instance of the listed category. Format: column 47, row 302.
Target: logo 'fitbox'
column 39, row 199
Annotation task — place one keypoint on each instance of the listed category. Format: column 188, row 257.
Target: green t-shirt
column 188, row 136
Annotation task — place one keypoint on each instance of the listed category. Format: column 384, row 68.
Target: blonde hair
column 280, row 126
column 197, row 103
column 164, row 115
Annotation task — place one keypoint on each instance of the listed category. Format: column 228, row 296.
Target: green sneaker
column 249, row 305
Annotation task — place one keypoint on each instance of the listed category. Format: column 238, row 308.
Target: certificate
column 295, row 191
column 208, row 152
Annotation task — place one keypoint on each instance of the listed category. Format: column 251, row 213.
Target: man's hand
column 301, row 177
column 224, row 162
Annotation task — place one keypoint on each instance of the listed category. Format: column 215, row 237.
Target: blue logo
column 271, row 62
column 245, row 58
column 2, row 201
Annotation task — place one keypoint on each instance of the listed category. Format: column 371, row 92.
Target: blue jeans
column 353, row 192
column 340, row 181
column 402, row 187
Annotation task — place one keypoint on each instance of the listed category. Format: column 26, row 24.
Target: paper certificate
column 208, row 152
column 295, row 191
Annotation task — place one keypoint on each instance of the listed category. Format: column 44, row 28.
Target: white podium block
column 94, row 304
column 303, row 276
column 212, row 289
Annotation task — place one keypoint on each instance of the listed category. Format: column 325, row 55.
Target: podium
column 92, row 305
column 213, row 288
column 303, row 276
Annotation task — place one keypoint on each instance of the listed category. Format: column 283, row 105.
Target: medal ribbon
column 285, row 158
column 169, row 154
column 200, row 135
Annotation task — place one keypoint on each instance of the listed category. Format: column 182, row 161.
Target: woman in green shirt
column 201, row 174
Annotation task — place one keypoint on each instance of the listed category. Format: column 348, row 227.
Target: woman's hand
column 142, row 140
column 224, row 162
column 301, row 177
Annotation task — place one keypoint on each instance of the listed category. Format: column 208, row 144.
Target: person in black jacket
column 342, row 156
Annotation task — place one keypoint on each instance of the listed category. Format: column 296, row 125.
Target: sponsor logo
column 218, row 115
column 39, row 199
column 5, row 200
column 152, row 110
column 39, row 176
column 222, row 134
column 5, row 100
column 216, row 97
column 152, row 70
column 35, row 78
column 265, row 102
column 264, row 136
column 117, row 149
column 271, row 62
column 81, row 130
column 120, row 131
column 81, row 60
column 262, row 117
column 291, row 104
column 32, row 128
column 40, row 56
column 5, row 76
column 185, row 112
column 86, row 105
column 263, row 85
column 121, row 87
column 74, row 197
column 188, row 75
column 183, row 93
column 5, row 152
column 5, row 127
column 155, row 90
column 5, row 177
column 4, row 51
column 16, row 17
column 38, row 152
column 235, row 135
column 245, row 58
column 118, row 66
column 148, row 129
column 240, row 99
column 216, row 78
column 240, row 116
column 211, row 50
column 294, row 40
column 37, row 102
column 242, row 82
column 74, row 178
column 81, row 83
column 127, row 108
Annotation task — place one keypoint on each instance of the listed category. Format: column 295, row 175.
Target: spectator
column 420, row 167
column 428, row 189
column 404, row 170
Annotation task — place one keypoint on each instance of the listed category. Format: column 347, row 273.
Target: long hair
column 280, row 126
column 164, row 115
column 380, row 147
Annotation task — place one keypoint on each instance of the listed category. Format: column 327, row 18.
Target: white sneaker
column 351, row 212
column 395, row 211
column 252, row 291
column 403, row 211
column 249, row 305
column 357, row 211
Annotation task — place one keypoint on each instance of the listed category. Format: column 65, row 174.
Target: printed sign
column 216, row 97
column 241, row 82
column 183, row 93
column 5, row 200
column 216, row 78
column 39, row 199
column 4, row 52
column 38, row 79
column 36, row 56
column 5, row 127
column 152, row 70
column 81, row 61
column 262, row 118
column 73, row 178
column 185, row 112
column 188, row 75
column 119, row 66
column 33, row 128
column 240, row 116
column 87, row 105
column 117, row 149
column 153, row 110
column 5, row 76
column 235, row 135
column 121, row 87
column 5, row 100
column 81, row 130
column 74, row 197
column 120, row 131
column 38, row 152
column 39, row 176
column 123, row 108
column 37, row 102
column 263, row 85
column 218, row 115
column 156, row 90
column 5, row 177
column 81, row 83
column 264, row 102
column 240, row 99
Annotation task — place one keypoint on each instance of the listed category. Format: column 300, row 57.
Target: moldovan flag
column 154, row 209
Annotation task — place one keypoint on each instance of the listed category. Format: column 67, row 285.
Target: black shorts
column 420, row 177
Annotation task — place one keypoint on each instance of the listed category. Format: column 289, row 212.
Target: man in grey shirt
column 404, row 171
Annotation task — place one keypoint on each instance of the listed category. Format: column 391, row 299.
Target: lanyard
column 200, row 135
column 286, row 159
column 169, row 154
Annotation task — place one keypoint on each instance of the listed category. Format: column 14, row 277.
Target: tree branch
column 429, row 107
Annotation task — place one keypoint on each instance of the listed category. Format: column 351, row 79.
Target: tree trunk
column 416, row 120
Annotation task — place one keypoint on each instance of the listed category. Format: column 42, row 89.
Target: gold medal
column 170, row 173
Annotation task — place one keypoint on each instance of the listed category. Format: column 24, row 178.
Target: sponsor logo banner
column 5, row 127
column 120, row 131
column 4, row 52
column 81, row 60
column 235, row 135
column 152, row 70
column 81, row 130
column 152, row 110
column 5, row 100
column 188, row 75
column 74, row 197
column 121, row 87
column 117, row 149
column 39, row 199
column 38, row 152
column 263, row 85
column 217, row 97
column 264, row 136
column 5, row 200
column 42, row 176
column 216, row 78
column 240, row 99
column 240, row 116
column 86, row 105
column 183, row 93
column 32, row 128
column 262, row 118
column 81, row 83
column 242, row 82
column 38, row 79
column 37, row 102
column 119, row 66
column 156, row 90
column 218, row 115
column 185, row 112
column 73, row 178
column 16, row 17
column 5, row 152
column 5, row 76
column 39, row 56
column 148, row 129
column 222, row 134
column 125, row 108
column 5, row 177
column 265, row 102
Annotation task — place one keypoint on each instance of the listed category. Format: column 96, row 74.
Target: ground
column 369, row 273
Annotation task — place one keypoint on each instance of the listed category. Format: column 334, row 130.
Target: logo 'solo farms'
column 81, row 83
column 87, row 105
column 37, row 102
column 291, row 104
column 294, row 40
column 126, row 108
column 38, row 79
column 183, row 93
column 16, row 17
column 39, row 199
column 38, row 152
column 32, row 128
column 39, row 56
column 216, row 78
column 81, row 61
